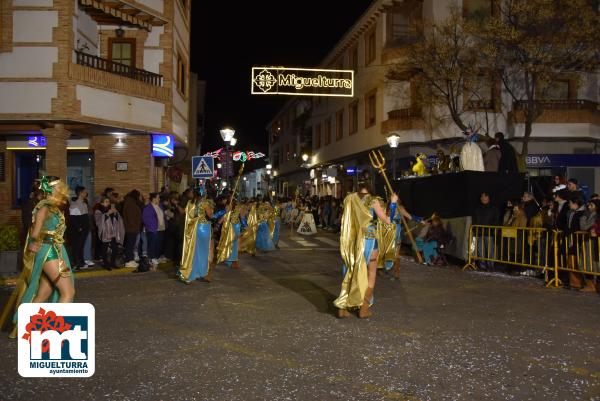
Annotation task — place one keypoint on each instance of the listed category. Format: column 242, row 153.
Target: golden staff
column 227, row 222
column 378, row 162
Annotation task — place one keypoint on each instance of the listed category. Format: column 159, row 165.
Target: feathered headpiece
column 47, row 186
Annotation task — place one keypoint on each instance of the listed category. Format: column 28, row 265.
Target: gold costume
column 248, row 239
column 356, row 219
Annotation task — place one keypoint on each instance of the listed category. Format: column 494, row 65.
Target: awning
column 121, row 13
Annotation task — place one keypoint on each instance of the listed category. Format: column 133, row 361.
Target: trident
column 378, row 162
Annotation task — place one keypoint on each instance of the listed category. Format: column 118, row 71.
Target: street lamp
column 268, row 167
column 393, row 140
column 304, row 157
column 227, row 135
column 219, row 165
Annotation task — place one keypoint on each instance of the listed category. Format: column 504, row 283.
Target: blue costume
column 264, row 241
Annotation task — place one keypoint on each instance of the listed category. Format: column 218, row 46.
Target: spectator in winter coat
column 132, row 219
column 111, row 231
column 491, row 158
column 574, row 190
column 508, row 159
column 530, row 205
column 485, row 214
column 79, row 227
column 153, row 218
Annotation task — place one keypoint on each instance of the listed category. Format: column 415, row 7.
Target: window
column 353, row 117
column 478, row 10
column 328, row 131
column 287, row 151
column 370, row 109
column 181, row 75
column 122, row 51
column 317, row 136
column 481, row 92
column 557, row 90
column 398, row 28
column 370, row 45
column 339, row 125
column 353, row 59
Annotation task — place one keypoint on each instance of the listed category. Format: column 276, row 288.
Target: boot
column 396, row 268
column 364, row 311
column 575, row 280
column 343, row 313
column 590, row 286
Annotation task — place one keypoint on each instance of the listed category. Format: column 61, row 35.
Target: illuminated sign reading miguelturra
column 302, row 81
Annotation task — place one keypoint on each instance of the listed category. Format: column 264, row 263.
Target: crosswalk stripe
column 304, row 242
column 283, row 244
column 328, row 241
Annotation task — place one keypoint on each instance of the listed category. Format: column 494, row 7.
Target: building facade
column 85, row 94
column 343, row 130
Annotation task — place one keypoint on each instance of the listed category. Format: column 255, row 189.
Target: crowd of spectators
column 566, row 210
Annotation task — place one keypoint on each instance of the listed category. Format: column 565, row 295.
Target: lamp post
column 227, row 135
column 393, row 140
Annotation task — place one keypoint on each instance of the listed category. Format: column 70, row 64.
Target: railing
column 404, row 113
column 535, row 248
column 560, row 104
column 102, row 64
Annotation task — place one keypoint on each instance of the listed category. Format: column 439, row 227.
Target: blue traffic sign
column 203, row 167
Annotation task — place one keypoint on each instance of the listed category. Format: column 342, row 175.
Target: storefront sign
column 38, row 141
column 562, row 160
column 302, row 82
column 350, row 170
column 162, row 145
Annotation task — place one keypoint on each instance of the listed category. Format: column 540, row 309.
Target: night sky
column 227, row 41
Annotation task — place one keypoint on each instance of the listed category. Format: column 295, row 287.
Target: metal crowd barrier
column 530, row 248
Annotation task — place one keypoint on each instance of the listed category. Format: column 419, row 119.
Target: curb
column 12, row 281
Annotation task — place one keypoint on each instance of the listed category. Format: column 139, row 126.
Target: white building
column 344, row 130
column 85, row 87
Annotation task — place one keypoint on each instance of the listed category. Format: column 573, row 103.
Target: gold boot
column 364, row 311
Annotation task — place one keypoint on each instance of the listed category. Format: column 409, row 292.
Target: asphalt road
column 269, row 332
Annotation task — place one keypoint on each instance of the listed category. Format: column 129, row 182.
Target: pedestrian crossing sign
column 203, row 167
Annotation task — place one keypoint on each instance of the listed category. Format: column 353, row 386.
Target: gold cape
column 248, row 239
column 386, row 242
column 193, row 215
column 355, row 221
column 227, row 239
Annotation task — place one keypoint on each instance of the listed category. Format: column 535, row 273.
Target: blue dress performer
column 264, row 242
column 197, row 242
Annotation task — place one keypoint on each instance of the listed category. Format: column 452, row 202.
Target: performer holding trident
column 358, row 246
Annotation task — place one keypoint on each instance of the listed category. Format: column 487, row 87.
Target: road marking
column 283, row 244
column 304, row 242
column 328, row 241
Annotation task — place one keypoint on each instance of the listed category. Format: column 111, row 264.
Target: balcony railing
column 404, row 113
column 561, row 104
column 102, row 64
